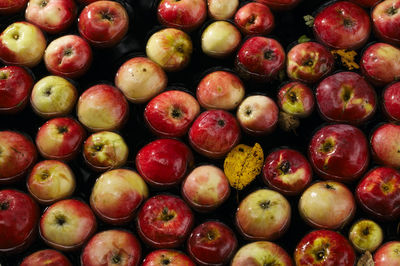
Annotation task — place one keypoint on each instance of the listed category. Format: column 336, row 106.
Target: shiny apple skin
column 385, row 141
column 327, row 205
column 214, row 133
column 185, row 15
column 391, row 102
column 386, row 21
column 331, row 246
column 212, row 243
column 342, row 25
column 255, row 19
column 19, row 216
column 388, row 254
column 287, row 171
column 222, row 9
column 60, row 138
column 280, row 5
column 15, row 87
column 164, row 221
column 308, row 62
column 17, row 157
column 366, row 3
column 346, row 97
column 296, row 99
column 107, row 247
column 48, row 257
column 159, row 257
column 164, row 162
column 11, row 7
column 171, row 113
column 339, row 152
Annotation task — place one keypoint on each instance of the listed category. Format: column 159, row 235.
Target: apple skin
column 112, row 247
column 391, row 102
column 296, row 99
column 255, row 19
column 124, row 190
column 103, row 23
column 48, row 257
column 102, row 107
column 51, row 181
column 387, row 254
column 161, row 257
column 212, row 243
column 11, row 7
column 386, row 21
column 385, row 141
column 164, row 163
column 52, row 16
column 327, row 205
column 185, row 15
column 17, row 156
column 339, row 152
column 22, row 44
column 366, row 3
column 324, row 247
column 261, row 253
column 260, row 59
column 214, row 133
column 280, row 5
column 15, row 87
column 222, row 9
column 342, row 25
column 67, row 224
column 287, row 171
column 346, row 97
column 164, row 221
column 19, row 216
column 365, row 235
column 379, row 193
column 60, row 138
column 220, row 90
column 69, row 56
column 53, row 96
column 309, row 62
column 140, row 79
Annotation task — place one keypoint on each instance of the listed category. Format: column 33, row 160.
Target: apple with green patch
column 365, row 235
column 296, row 99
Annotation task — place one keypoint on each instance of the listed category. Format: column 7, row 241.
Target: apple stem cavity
column 265, row 204
column 68, row 52
column 62, row 129
column 47, row 92
column 4, row 206
column 328, row 186
column 165, row 261
column 43, row 3
column 116, row 259
column 284, row 167
column 106, row 16
column 45, row 174
column 366, row 231
column 348, row 23
column 166, row 215
column 391, row 11
column 176, row 113
column 221, row 123
column 269, row 55
column 60, row 220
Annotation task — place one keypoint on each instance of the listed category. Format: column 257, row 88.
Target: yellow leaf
column 347, row 57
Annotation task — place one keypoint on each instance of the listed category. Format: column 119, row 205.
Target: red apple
column 391, row 102
column 296, row 99
column 365, row 3
column 386, row 20
column 212, row 243
column 164, row 221
column 171, row 113
column 339, row 152
column 164, row 162
column 222, row 9
column 8, row 7
column 365, row 235
column 388, row 254
column 214, row 133
column 170, row 257
column 48, row 257
column 15, row 87
column 385, row 143
column 342, row 25
column 60, row 138
column 280, row 5
column 19, row 216
column 255, row 18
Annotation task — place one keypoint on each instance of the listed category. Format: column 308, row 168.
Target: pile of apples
column 129, row 171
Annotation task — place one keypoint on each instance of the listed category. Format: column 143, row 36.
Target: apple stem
column 221, row 123
column 43, row 3
column 366, row 231
column 328, row 186
column 265, row 204
column 269, row 55
column 284, row 167
column 116, row 259
column 391, row 11
column 165, row 215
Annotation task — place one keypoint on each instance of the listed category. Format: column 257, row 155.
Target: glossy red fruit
column 386, row 20
column 8, row 7
column 388, row 254
column 48, row 257
column 391, row 102
column 385, row 143
column 170, row 257
column 255, row 19
column 296, row 99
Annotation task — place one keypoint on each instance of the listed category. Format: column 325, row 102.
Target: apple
column 255, row 18
column 17, row 156
column 391, row 102
column 346, row 97
column 102, row 107
column 19, row 215
column 263, row 215
column 47, row 257
column 212, row 243
column 110, row 247
column 67, row 224
column 309, row 62
column 185, row 15
column 260, row 59
column 261, row 253
column 324, row 247
column 206, row 188
column 69, row 56
column 15, row 87
column 51, row 16
column 11, row 7
column 171, row 113
column 385, row 143
column 365, row 235
column 280, row 5
column 342, row 25
column 287, row 171
column 60, row 138
column 50, row 181
column 214, row 133
column 296, row 99
column 164, row 163
column 220, row 90
column 170, row 48
column 105, row 150
column 222, row 9
column 117, row 194
column 140, row 79
column 258, row 115
column 170, row 257
column 164, row 221
column 386, row 20
column 53, row 96
column 22, row 44
column 339, row 152
column 366, row 3
column 388, row 254
column 103, row 23
column 220, row 39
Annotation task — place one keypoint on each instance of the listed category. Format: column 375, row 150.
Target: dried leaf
column 366, row 260
column 288, row 122
column 309, row 20
column 347, row 58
